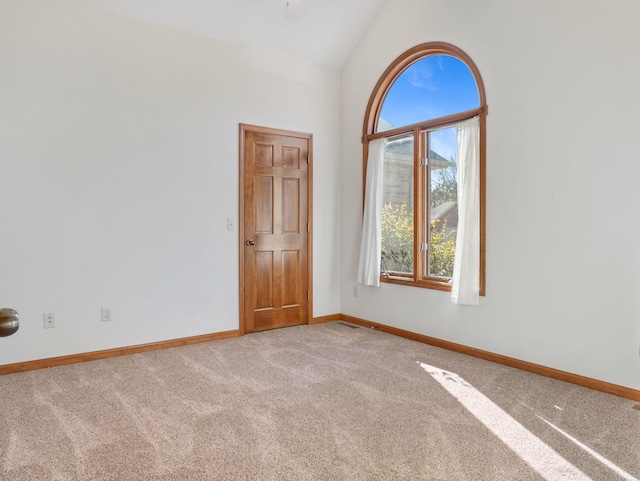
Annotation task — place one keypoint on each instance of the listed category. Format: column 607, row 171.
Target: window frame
column 417, row 130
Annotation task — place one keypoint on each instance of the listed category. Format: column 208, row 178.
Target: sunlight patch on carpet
column 620, row 472
column 543, row 459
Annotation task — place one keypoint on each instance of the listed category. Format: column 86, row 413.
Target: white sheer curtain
column 371, row 240
column 466, row 266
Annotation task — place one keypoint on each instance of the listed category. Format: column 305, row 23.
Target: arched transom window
column 424, row 134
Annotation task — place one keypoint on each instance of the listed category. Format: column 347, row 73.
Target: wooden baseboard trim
column 577, row 379
column 120, row 351
column 583, row 381
column 329, row 318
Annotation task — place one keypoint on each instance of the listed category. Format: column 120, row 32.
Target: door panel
column 290, row 279
column 275, row 277
column 263, row 154
column 263, row 205
column 263, row 280
column 291, row 206
column 291, row 157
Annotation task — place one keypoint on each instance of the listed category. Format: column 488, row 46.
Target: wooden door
column 275, row 277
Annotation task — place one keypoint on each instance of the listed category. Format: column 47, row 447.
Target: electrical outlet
column 106, row 314
column 49, row 320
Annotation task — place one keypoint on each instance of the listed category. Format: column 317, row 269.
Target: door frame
column 244, row 128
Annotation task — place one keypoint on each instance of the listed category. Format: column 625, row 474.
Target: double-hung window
column 429, row 108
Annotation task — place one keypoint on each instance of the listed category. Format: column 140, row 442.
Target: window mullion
column 426, row 204
column 418, row 202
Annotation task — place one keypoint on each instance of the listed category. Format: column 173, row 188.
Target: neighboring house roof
column 446, row 216
column 404, row 147
column 443, row 210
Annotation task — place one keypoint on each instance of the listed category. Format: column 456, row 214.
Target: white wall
column 119, row 168
column 563, row 263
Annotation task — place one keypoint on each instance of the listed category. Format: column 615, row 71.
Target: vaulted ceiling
column 323, row 32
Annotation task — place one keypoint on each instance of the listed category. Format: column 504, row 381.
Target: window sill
column 440, row 285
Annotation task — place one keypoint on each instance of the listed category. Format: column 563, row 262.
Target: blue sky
column 432, row 87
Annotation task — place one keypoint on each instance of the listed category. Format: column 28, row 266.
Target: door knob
column 250, row 242
column 9, row 322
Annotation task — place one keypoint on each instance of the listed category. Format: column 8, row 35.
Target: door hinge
column 308, row 228
column 424, row 162
column 424, row 247
column 308, row 296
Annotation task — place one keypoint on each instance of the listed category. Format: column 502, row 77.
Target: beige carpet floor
column 321, row 402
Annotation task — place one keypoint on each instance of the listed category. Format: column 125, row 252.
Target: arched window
column 429, row 107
